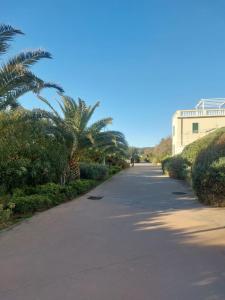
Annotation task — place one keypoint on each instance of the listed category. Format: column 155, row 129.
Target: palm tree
column 16, row 78
column 111, row 143
column 81, row 136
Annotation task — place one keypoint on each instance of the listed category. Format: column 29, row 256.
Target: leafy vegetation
column 48, row 157
column 93, row 171
column 46, row 196
column 80, row 136
column 162, row 150
column 153, row 154
column 208, row 174
column 16, row 79
column 176, row 167
column 203, row 164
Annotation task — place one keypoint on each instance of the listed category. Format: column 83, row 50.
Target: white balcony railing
column 201, row 113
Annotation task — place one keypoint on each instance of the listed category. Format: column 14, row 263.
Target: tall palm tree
column 16, row 78
column 81, row 135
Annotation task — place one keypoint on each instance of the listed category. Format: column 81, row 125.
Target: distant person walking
column 132, row 161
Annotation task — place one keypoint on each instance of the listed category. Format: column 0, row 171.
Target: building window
column 195, row 127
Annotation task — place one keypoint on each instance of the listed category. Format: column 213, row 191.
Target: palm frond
column 28, row 58
column 91, row 111
column 7, row 33
column 99, row 125
column 51, row 85
column 49, row 105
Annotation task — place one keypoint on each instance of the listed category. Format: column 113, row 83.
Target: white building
column 190, row 125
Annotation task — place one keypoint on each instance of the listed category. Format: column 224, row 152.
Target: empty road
column 146, row 239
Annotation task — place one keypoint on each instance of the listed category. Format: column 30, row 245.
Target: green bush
column 93, row 171
column 114, row 169
column 32, row 199
column 164, row 164
column 203, row 164
column 191, row 152
column 209, row 182
column 31, row 204
column 6, row 213
column 81, row 186
column 176, row 167
column 185, row 162
column 29, row 155
column 123, row 164
column 208, row 173
column 117, row 162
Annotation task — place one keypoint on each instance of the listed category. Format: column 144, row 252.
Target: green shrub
column 6, row 213
column 208, row 173
column 118, row 162
column 83, row 185
column 93, row 171
column 29, row 155
column 53, row 190
column 32, row 199
column 114, row 169
column 164, row 164
column 31, row 204
column 123, row 164
column 176, row 167
column 191, row 152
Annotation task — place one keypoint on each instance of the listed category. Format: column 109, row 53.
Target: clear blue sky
column 142, row 59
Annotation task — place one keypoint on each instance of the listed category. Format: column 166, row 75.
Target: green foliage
column 162, row 150
column 30, row 200
column 16, row 79
column 31, row 203
column 114, row 169
column 192, row 151
column 81, row 136
column 176, row 167
column 208, row 173
column 135, row 153
column 93, row 171
column 164, row 163
column 114, row 160
column 153, row 154
column 29, row 153
column 83, row 185
column 40, row 149
column 6, row 212
column 203, row 163
column 56, row 192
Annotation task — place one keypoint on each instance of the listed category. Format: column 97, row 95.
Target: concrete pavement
column 147, row 239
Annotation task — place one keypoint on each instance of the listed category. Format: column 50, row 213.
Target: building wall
column 183, row 131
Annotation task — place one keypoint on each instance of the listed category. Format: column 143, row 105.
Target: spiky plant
column 81, row 135
column 16, row 78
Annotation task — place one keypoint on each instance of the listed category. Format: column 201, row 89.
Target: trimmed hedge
column 203, row 162
column 191, row 152
column 32, row 199
column 208, row 173
column 176, row 167
column 93, row 171
column 31, row 204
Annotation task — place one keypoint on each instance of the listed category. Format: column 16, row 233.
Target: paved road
column 140, row 242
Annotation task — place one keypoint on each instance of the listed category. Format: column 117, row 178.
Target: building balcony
column 200, row 113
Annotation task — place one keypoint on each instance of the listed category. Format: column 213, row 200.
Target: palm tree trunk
column 74, row 169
